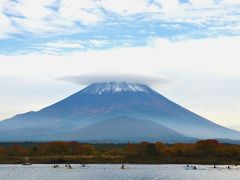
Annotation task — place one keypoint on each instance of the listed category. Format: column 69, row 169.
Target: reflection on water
column 109, row 172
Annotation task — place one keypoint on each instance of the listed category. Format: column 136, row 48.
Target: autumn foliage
column 144, row 152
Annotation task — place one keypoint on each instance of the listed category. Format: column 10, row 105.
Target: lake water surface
column 108, row 172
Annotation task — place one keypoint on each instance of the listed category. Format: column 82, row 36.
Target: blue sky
column 191, row 44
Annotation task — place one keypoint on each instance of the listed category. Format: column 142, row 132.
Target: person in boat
column 26, row 159
column 68, row 166
column 228, row 167
column 187, row 165
column 122, row 167
column 194, row 167
column 214, row 166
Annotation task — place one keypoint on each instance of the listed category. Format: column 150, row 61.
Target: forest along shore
column 201, row 152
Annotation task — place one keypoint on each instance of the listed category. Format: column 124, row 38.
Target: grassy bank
column 115, row 160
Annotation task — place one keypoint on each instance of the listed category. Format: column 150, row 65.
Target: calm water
column 108, row 172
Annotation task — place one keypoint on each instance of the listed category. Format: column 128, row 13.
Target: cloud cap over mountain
column 86, row 79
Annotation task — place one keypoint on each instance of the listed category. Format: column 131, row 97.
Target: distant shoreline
column 205, row 152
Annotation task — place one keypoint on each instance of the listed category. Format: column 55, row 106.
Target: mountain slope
column 123, row 129
column 102, row 101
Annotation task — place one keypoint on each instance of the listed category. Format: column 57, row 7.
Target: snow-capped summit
column 116, row 87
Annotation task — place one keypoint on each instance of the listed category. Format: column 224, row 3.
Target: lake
column 109, row 171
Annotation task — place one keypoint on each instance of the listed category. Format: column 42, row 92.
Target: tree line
column 210, row 150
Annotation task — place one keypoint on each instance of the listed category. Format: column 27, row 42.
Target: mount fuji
column 113, row 112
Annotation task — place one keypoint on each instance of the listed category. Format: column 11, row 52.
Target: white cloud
column 201, row 2
column 216, row 55
column 4, row 26
column 59, row 47
column 126, row 7
column 5, row 22
column 231, row 1
column 39, row 17
column 168, row 6
column 29, row 9
column 31, row 16
column 97, row 42
column 63, row 44
column 102, row 76
column 84, row 11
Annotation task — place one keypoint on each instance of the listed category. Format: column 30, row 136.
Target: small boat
column 55, row 166
column 84, row 166
column 26, row 164
column 68, row 166
column 188, row 167
column 26, row 161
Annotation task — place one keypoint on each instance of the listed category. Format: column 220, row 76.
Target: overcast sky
column 187, row 50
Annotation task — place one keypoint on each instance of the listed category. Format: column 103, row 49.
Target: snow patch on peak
column 115, row 87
